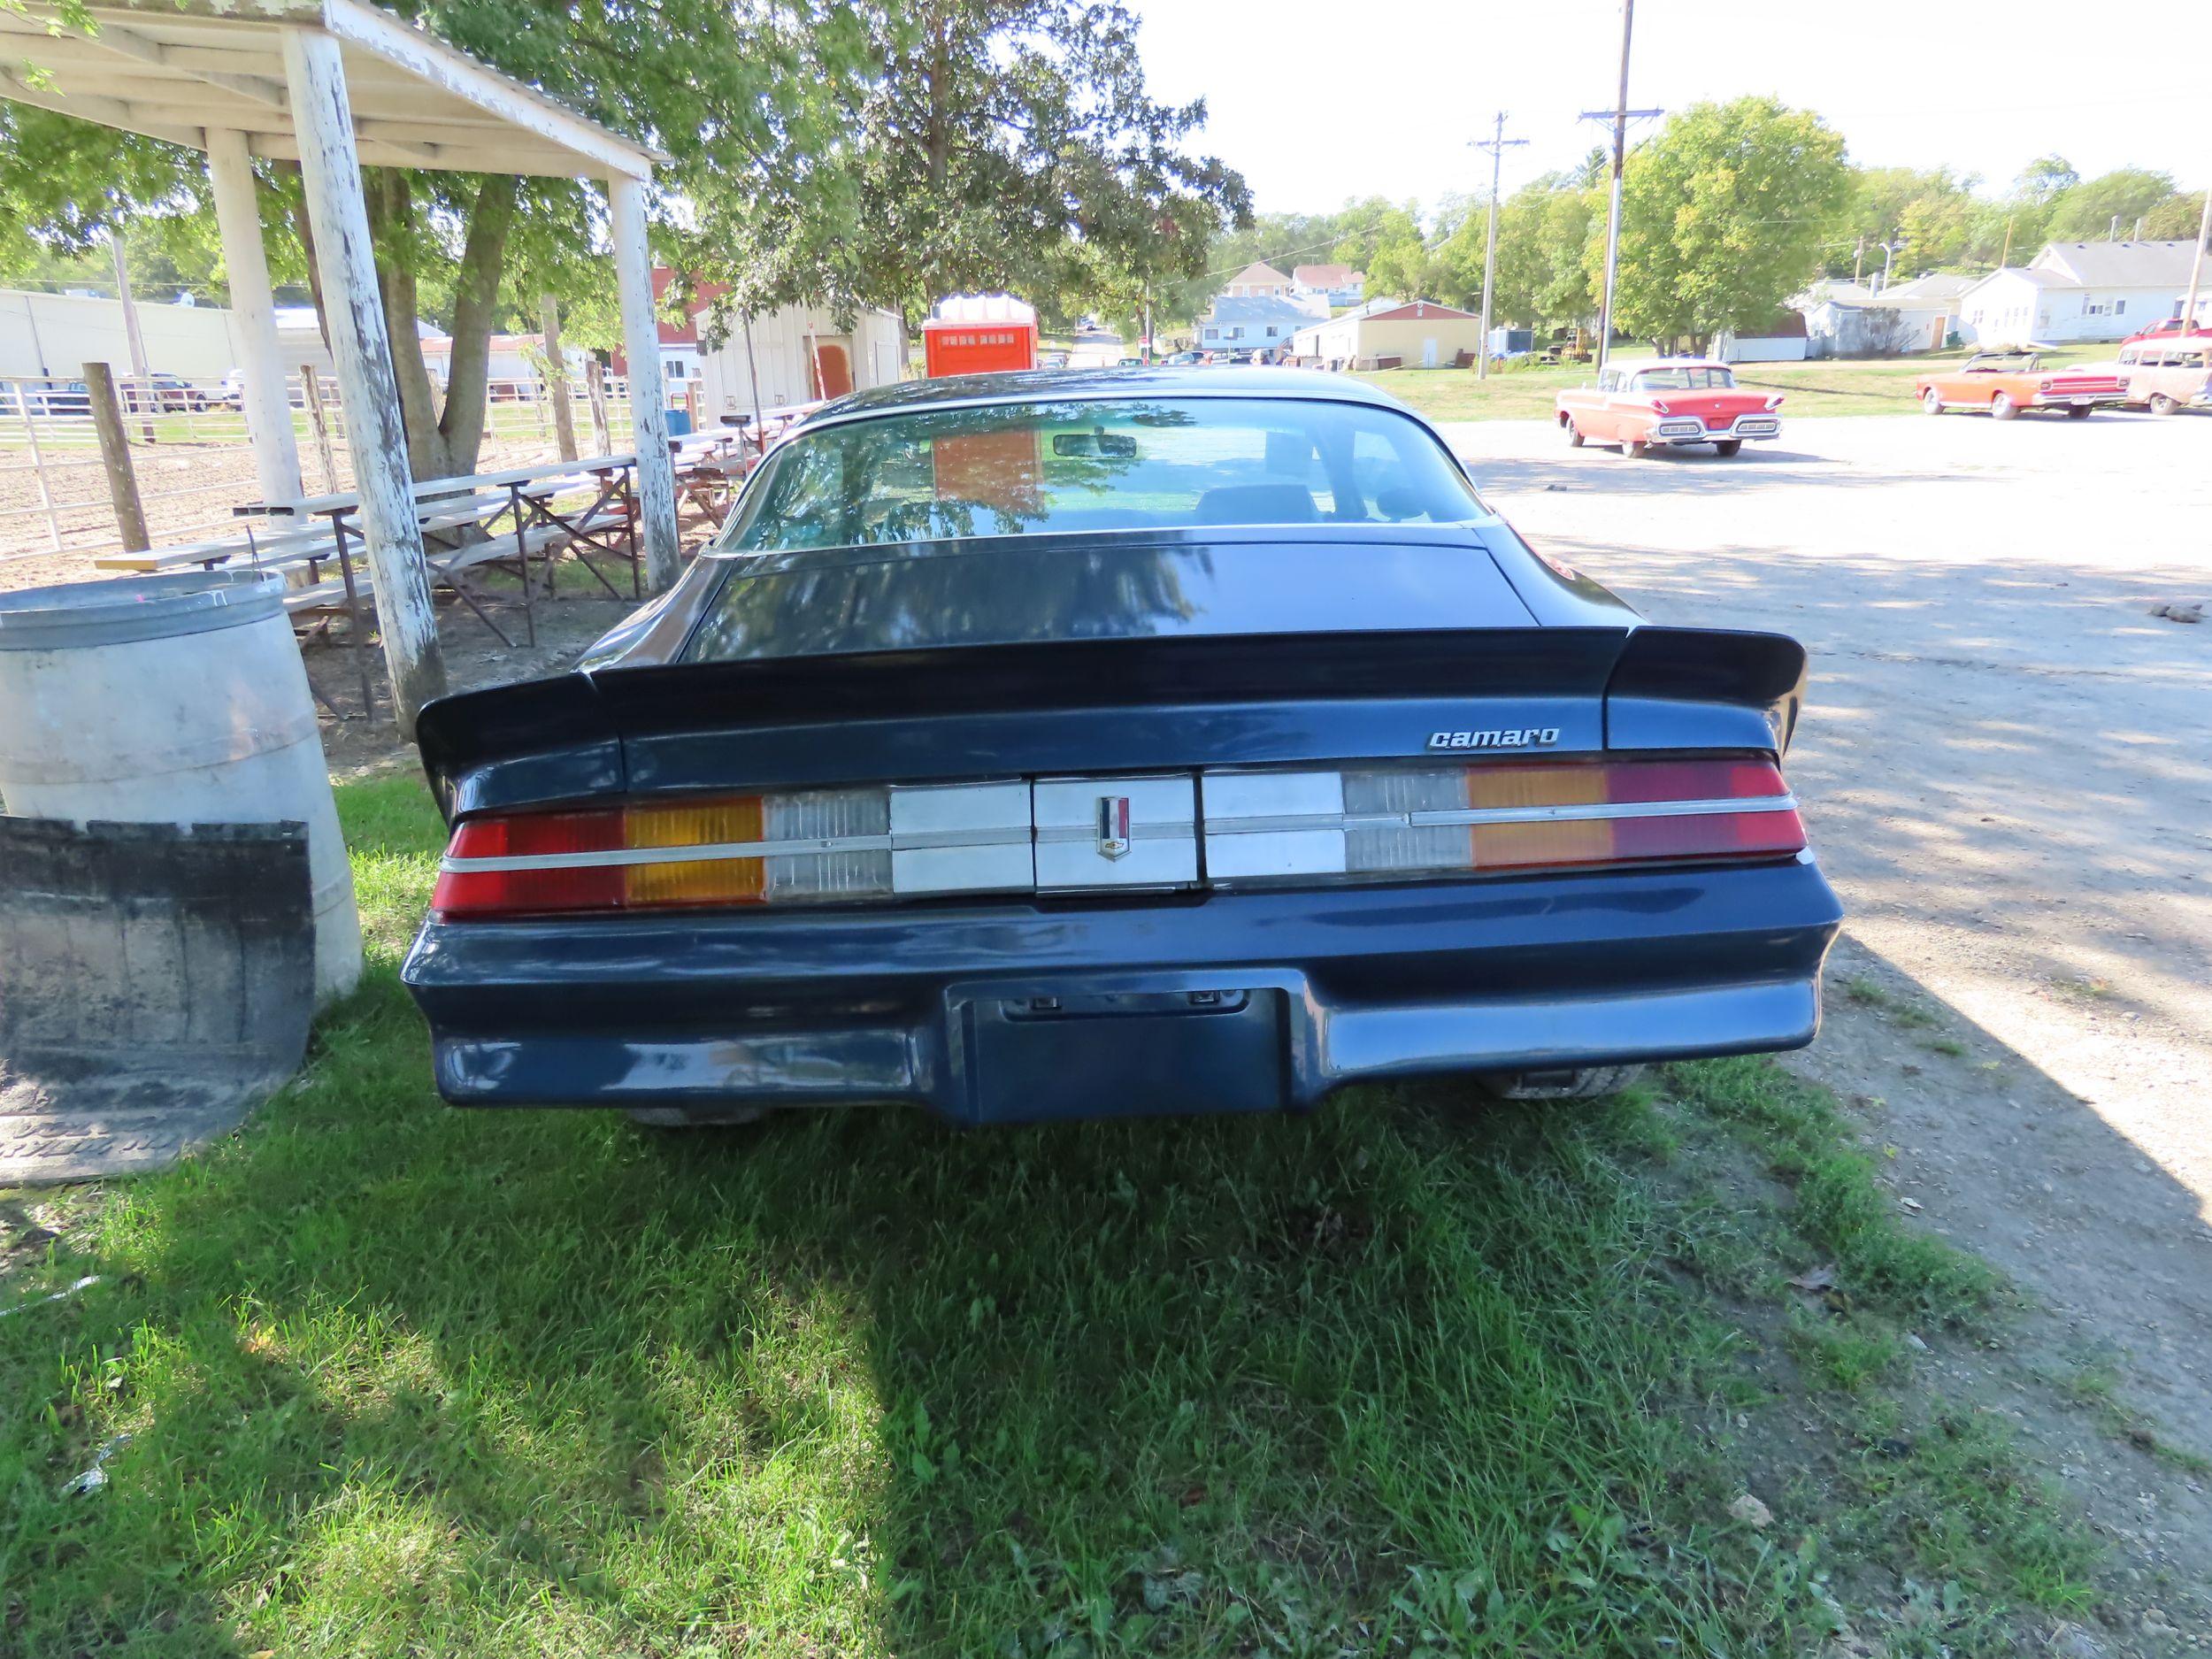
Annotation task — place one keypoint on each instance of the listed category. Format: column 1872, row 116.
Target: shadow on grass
column 1404, row 1374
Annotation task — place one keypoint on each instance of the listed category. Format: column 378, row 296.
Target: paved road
column 2007, row 763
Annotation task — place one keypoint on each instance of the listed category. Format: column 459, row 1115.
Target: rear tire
column 1631, row 450
column 2002, row 408
column 2161, row 404
column 1727, row 448
column 1588, row 1083
column 1932, row 401
column 1575, row 440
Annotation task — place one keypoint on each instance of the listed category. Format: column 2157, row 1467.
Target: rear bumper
column 1257, row 1001
column 1751, row 428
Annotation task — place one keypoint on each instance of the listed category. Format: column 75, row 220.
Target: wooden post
column 38, row 467
column 649, row 420
column 143, row 391
column 330, row 171
column 276, row 454
column 595, row 392
column 115, row 454
column 557, row 366
column 317, row 423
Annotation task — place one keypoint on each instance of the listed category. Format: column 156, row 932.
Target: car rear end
column 2079, row 389
column 1687, row 417
column 1048, row 825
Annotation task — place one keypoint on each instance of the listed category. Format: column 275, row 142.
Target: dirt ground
column 2007, row 765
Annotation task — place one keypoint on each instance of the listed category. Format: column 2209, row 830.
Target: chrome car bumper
column 1255, row 1001
column 1678, row 432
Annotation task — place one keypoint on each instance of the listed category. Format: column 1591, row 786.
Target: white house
column 1254, row 324
column 2078, row 291
column 1258, row 280
column 1850, row 319
column 1386, row 333
column 871, row 352
column 1331, row 284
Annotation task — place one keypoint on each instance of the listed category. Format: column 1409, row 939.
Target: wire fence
column 194, row 462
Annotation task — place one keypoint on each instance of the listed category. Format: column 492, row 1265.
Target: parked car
column 2167, row 374
column 2005, row 382
column 1667, row 402
column 166, row 394
column 1141, row 741
column 2169, row 329
column 1182, row 359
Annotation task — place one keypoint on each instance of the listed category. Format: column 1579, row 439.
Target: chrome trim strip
column 1156, row 830
column 1445, row 820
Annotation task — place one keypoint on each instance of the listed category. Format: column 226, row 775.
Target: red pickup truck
column 1667, row 402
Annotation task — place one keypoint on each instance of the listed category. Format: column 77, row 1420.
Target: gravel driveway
column 2008, row 765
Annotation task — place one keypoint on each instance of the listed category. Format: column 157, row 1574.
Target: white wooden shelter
column 334, row 84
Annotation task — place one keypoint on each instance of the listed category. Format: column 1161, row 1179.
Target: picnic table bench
column 505, row 519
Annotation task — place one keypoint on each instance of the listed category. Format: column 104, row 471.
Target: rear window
column 1685, row 380
column 1137, row 464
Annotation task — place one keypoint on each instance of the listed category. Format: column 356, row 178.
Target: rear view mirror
column 1090, row 445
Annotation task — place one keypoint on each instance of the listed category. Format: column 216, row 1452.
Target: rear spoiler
column 1705, row 688
column 953, row 712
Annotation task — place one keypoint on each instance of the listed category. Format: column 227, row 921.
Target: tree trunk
column 475, row 306
column 391, row 204
column 297, row 212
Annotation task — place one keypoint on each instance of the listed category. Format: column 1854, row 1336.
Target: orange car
column 2005, row 382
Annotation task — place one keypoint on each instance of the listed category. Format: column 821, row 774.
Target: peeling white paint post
column 276, row 454
column 648, row 418
column 315, row 78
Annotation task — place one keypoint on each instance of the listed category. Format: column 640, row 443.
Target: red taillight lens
column 1659, row 406
column 750, row 849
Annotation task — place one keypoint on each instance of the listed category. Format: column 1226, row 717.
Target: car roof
column 1054, row 385
column 1637, row 366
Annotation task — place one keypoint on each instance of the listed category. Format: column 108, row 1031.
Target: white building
column 1850, row 319
column 1331, row 284
column 797, row 355
column 1259, row 280
column 1252, row 324
column 2078, row 291
column 54, row 336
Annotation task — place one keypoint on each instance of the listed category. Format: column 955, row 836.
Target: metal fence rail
column 189, row 449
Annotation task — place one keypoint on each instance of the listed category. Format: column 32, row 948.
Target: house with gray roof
column 2078, row 291
column 1252, row 323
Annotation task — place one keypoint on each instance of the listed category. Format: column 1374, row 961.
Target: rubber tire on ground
column 1591, row 1083
column 1574, row 434
column 2002, row 408
column 694, row 1117
column 1932, row 401
column 1727, row 447
column 2161, row 404
column 1631, row 450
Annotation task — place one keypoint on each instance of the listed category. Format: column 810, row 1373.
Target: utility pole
column 1620, row 115
column 1497, row 144
column 1889, row 254
column 130, row 330
column 1858, row 262
column 2196, row 266
column 2007, row 253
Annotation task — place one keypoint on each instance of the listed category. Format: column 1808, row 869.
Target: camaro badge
column 1113, row 825
column 1526, row 737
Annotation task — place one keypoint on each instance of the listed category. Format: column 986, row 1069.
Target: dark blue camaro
column 1054, row 745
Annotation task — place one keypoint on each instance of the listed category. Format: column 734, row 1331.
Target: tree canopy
column 1724, row 215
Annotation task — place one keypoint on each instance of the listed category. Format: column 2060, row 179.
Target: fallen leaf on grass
column 1822, row 1278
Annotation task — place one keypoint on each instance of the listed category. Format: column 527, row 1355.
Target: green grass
column 1826, row 386
column 1408, row 1376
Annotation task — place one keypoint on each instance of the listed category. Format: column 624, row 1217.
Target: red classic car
column 2005, row 382
column 1670, row 402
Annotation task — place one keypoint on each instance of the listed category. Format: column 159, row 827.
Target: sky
column 1315, row 102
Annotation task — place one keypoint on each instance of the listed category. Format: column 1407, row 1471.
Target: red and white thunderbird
column 1667, row 402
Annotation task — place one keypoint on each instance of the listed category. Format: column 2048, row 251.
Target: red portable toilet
column 979, row 334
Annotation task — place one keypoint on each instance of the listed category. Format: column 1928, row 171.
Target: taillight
column 1774, row 401
column 2043, row 385
column 816, row 844
column 1659, row 407
column 1507, row 816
